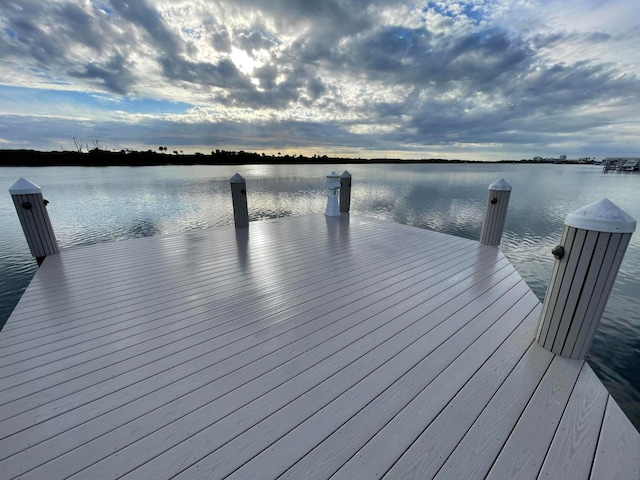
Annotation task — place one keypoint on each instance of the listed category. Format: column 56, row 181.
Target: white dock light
column 333, row 185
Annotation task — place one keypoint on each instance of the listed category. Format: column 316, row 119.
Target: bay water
column 93, row 205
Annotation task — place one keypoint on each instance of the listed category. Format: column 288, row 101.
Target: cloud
column 508, row 77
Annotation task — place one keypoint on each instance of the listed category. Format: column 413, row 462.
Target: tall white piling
column 333, row 184
column 345, row 191
column 34, row 218
column 239, row 198
column 495, row 212
column 594, row 241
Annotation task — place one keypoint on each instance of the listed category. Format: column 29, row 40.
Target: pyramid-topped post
column 495, row 212
column 594, row 241
column 239, row 198
column 345, row 192
column 31, row 208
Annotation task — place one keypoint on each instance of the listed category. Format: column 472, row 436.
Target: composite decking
column 306, row 347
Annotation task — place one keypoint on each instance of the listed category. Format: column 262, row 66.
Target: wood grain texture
column 524, row 452
column 426, row 455
column 572, row 449
column 482, row 443
column 618, row 451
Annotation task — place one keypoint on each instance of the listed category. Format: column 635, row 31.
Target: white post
column 333, row 184
column 34, row 218
column 345, row 191
column 239, row 198
column 495, row 212
column 594, row 240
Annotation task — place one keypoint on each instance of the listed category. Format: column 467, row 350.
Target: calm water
column 91, row 205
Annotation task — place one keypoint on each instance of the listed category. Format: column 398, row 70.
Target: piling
column 34, row 218
column 594, row 241
column 495, row 212
column 239, row 198
column 345, row 191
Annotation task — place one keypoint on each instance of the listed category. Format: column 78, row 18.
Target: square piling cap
column 602, row 216
column 24, row 187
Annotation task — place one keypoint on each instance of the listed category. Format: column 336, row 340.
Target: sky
column 472, row 80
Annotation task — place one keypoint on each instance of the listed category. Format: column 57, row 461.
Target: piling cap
column 345, row 174
column 500, row 185
column 24, row 187
column 237, row 178
column 602, row 216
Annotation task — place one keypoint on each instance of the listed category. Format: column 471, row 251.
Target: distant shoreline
column 103, row 158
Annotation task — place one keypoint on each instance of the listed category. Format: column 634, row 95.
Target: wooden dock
column 305, row 347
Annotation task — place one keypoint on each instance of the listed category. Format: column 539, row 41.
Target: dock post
column 345, row 191
column 333, row 184
column 239, row 197
column 34, row 218
column 495, row 213
column 594, row 240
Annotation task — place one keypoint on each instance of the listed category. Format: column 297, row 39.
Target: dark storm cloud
column 223, row 74
column 140, row 13
column 50, row 35
column 114, row 75
column 414, row 56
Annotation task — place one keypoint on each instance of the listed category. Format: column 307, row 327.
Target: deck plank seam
column 234, row 341
column 525, row 319
column 270, row 255
column 210, row 235
column 311, row 320
column 154, row 320
column 466, row 348
column 524, row 408
column 241, row 282
column 304, row 242
column 417, row 362
column 600, row 437
column 321, row 259
column 402, row 350
column 564, row 410
column 343, row 367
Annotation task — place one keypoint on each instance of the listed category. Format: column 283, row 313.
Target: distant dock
column 302, row 347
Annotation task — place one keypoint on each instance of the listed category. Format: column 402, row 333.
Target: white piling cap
column 500, row 185
column 333, row 175
column 237, row 178
column 24, row 187
column 602, row 216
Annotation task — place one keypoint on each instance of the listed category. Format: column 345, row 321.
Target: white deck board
column 425, row 456
column 525, row 449
column 618, row 451
column 302, row 347
column 573, row 447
